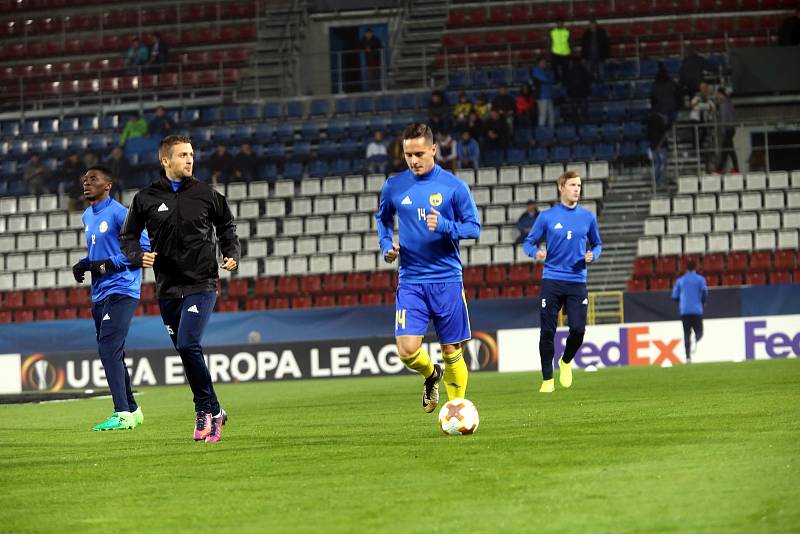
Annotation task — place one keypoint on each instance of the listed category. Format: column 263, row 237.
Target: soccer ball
column 458, row 416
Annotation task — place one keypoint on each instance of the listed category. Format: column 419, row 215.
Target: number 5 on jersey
column 400, row 320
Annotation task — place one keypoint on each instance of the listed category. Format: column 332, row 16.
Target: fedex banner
column 659, row 343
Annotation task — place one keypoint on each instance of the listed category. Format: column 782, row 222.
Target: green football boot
column 138, row 416
column 117, row 421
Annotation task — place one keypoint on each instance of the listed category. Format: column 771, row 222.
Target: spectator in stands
column 159, row 54
column 702, row 114
column 525, row 107
column 692, row 72
column 665, row 95
column 137, row 55
column 71, row 178
column 526, row 220
column 560, row 50
column 462, row 110
column 595, row 49
column 727, row 130
column 543, row 79
column 36, row 175
column 789, row 34
column 505, row 105
column 445, row 151
column 496, row 139
column 135, row 127
column 372, row 49
column 468, row 151
column 397, row 160
column 121, row 171
column 578, row 83
column 657, row 128
column 221, row 165
column 439, row 111
column 475, row 126
column 691, row 293
column 90, row 159
column 482, row 106
column 245, row 164
column 161, row 125
column 377, row 154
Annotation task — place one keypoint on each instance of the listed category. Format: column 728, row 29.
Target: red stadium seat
column 302, row 302
column 67, row 313
column 288, row 285
column 148, row 293
column 324, row 301
column 371, row 299
column 34, row 298
column 278, row 303
column 356, row 282
column 333, row 283
column 761, row 261
column 471, row 293
column 780, row 277
column 667, row 265
column 643, row 268
column 512, row 291
column 488, row 292
column 785, row 260
column 732, row 279
column 380, row 281
column 347, row 299
column 228, row 305
column 6, row 316
column 496, row 274
column 152, row 309
column 389, row 297
column 79, row 296
column 56, row 298
column 311, row 284
column 538, row 269
column 255, row 303
column 756, row 278
column 520, row 273
column 473, row 276
column 23, row 316
column 712, row 280
column 237, row 288
column 636, row 284
column 660, row 283
column 737, row 262
column 46, row 314
column 14, row 300
column 265, row 287
column 713, row 263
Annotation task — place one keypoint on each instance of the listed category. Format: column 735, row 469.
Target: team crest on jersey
column 103, row 227
column 435, row 199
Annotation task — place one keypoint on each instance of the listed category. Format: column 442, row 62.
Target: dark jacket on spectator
column 602, row 44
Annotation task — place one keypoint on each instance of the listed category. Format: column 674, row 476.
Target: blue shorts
column 445, row 303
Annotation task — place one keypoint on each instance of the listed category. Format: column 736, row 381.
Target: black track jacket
column 180, row 226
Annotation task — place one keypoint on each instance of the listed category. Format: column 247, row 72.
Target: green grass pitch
column 703, row 448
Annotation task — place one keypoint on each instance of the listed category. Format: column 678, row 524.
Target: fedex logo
column 635, row 346
column 776, row 345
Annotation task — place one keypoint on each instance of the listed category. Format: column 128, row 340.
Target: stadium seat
column 713, row 263
column 79, row 296
column 488, row 292
column 785, row 260
column 279, row 303
column 520, row 274
column 737, row 262
column 288, row 285
column 761, row 261
column 667, row 265
column 380, row 281
column 255, row 304
column 473, row 276
column 333, row 283
column 636, row 284
column 265, row 287
column 756, row 278
column 357, row 282
column 324, row 301
column 303, row 301
column 780, row 277
column 311, row 284
column 371, row 299
column 237, row 288
column 685, row 259
column 496, row 274
column 347, row 299
column 660, row 283
column 732, row 279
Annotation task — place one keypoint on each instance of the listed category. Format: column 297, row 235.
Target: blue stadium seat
column 358, row 166
column 384, row 103
column 310, row 130
column 18, row 148
column 407, row 101
column 293, row 170
column 365, row 104
column 643, row 147
column 647, row 68
column 78, row 143
column 583, row 152
column 189, row 116
column 457, row 79
column 295, row 109
column 301, row 151
column 58, row 145
column 359, row 127
column 99, row 142
column 621, row 90
column 516, row 156
column 336, row 129
column 523, row 136
column 605, row 151
column 149, row 158
column 8, row 167
column 353, row 147
column 632, row 129
column 107, row 122
column 10, row 128
column 544, row 135
column 268, row 171
column 589, row 133
column 201, row 135
column 89, row 122
column 69, row 125
column 318, row 168
column 264, row 132
column 520, row 76
column 17, row 188
column 210, row 115
column 628, row 149
column 275, row 152
column 222, row 134
column 610, row 131
column 243, row 132
column 319, row 107
column 383, row 124
column 538, row 154
column 399, row 122
column 344, row 106
column 600, row 90
column 251, row 112
column 642, row 88
column 202, row 173
column 38, row 145
column 342, row 167
column 566, row 133
column 327, row 149
column 480, row 79
column 273, row 110
column 284, row 132
column 626, row 70
column 560, row 153
column 231, row 114
column 30, row 127
column 492, row 157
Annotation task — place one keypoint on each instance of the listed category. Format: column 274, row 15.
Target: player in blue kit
column 116, row 287
column 435, row 210
column 691, row 292
column 566, row 228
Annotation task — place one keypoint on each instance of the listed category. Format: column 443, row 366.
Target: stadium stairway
column 422, row 29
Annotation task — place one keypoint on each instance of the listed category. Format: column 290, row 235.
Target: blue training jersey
column 691, row 293
column 425, row 256
column 565, row 231
column 102, row 223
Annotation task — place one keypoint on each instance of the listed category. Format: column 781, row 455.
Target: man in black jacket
column 595, row 49
column 180, row 214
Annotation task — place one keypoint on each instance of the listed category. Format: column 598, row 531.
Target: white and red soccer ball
column 458, row 416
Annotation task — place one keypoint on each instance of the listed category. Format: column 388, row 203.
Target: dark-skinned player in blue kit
column 435, row 210
column 566, row 230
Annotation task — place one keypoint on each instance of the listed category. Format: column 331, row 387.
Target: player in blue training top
column 565, row 228
column 691, row 292
column 116, row 287
column 435, row 209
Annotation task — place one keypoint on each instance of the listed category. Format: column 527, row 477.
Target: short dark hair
column 103, row 169
column 418, row 129
column 691, row 265
column 166, row 144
